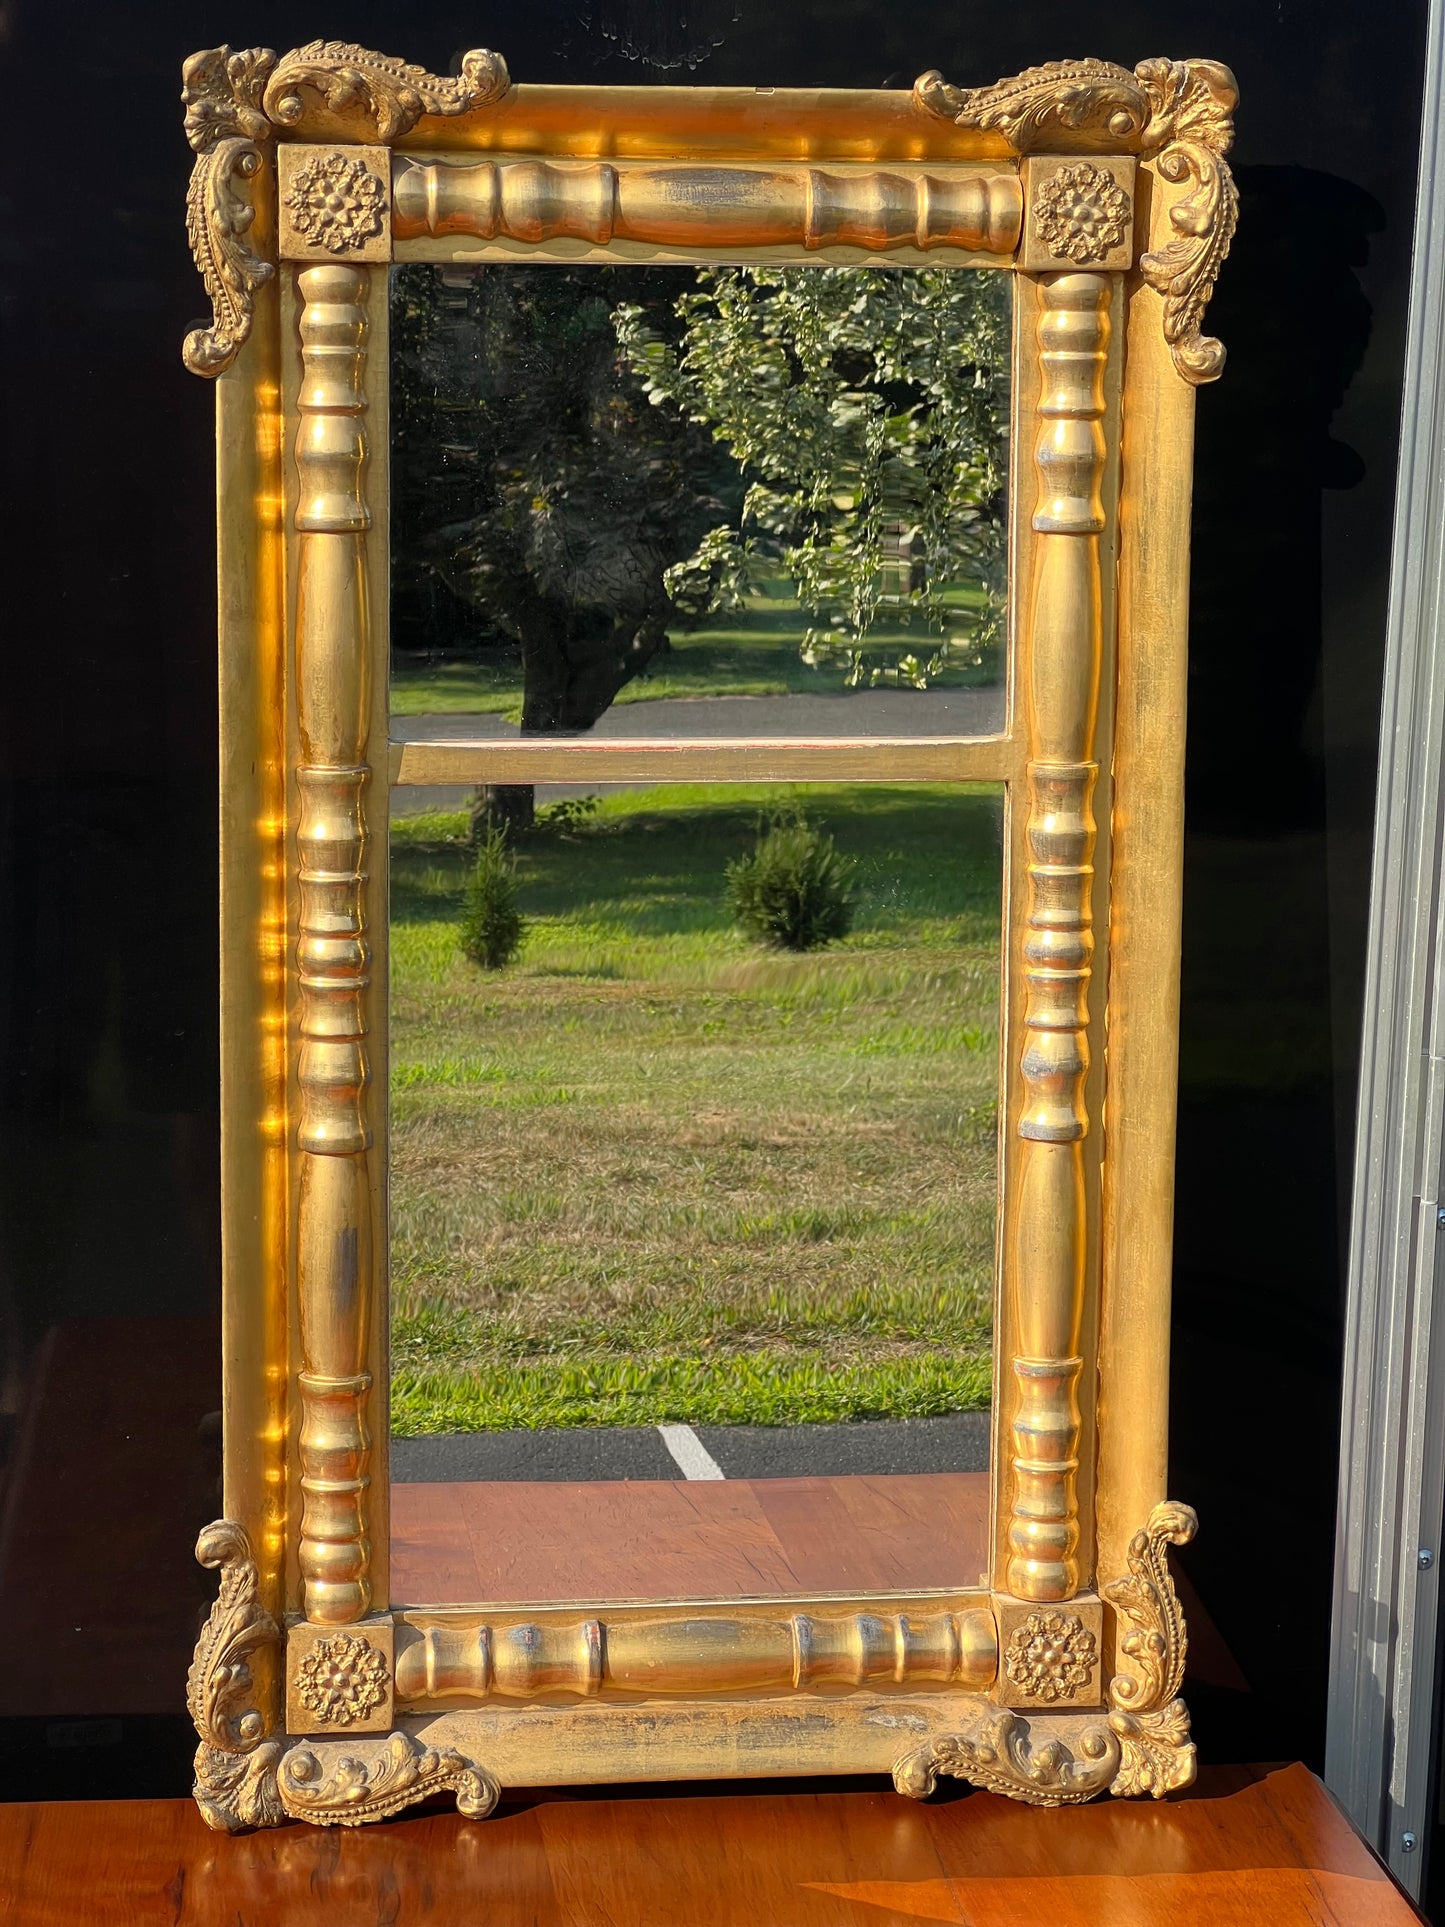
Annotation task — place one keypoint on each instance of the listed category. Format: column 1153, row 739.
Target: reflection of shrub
column 568, row 813
column 793, row 890
column 491, row 922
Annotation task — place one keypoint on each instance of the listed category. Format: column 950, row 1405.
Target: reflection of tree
column 868, row 409
column 587, row 457
column 534, row 479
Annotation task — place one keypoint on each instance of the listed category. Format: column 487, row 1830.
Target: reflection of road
column 863, row 712
column 871, row 1448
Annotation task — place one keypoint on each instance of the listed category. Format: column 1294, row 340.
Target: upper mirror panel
column 660, row 503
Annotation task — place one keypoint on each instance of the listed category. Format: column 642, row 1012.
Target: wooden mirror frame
column 1107, row 194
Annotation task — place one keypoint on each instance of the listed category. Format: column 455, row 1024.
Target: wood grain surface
column 514, row 1543
column 1248, row 1848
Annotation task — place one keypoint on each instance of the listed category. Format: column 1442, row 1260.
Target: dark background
column 108, row 1161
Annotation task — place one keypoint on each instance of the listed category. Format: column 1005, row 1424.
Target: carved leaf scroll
column 1180, row 110
column 993, row 1751
column 392, row 94
column 245, row 1774
column 1149, row 1718
column 237, row 1758
column 1034, row 107
column 378, row 1781
column 1142, row 1747
column 235, row 102
column 1192, row 126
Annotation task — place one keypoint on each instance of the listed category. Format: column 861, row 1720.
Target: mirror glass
column 693, row 1191
column 676, row 502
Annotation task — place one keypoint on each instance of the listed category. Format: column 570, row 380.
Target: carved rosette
column 337, row 203
column 342, row 1679
column 1141, row 1747
column 1082, row 214
column 1050, row 1656
column 234, row 104
column 1178, row 111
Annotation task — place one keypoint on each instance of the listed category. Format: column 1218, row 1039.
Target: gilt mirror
column 703, row 587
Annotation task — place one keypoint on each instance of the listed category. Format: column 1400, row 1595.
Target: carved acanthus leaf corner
column 380, row 1780
column 1142, row 1747
column 1031, row 109
column 234, row 104
column 1178, row 110
column 249, row 1776
column 392, row 94
column 1148, row 1718
column 1191, row 128
column 237, row 1758
column 992, row 1750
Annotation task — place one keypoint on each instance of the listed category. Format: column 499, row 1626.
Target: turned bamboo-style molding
column 978, row 211
column 473, row 1658
column 1050, row 1216
column 335, row 1263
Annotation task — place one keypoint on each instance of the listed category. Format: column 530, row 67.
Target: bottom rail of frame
column 248, row 1774
column 1044, row 1759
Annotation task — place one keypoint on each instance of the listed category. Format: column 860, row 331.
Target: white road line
column 693, row 1458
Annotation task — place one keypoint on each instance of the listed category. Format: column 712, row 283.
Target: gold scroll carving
column 235, row 102
column 604, row 201
column 1180, row 113
column 1142, row 1747
column 246, row 1776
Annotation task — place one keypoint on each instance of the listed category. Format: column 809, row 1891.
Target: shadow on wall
column 1257, row 1249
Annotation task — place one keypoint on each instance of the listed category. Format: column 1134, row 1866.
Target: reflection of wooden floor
column 715, row 1538
column 1249, row 1848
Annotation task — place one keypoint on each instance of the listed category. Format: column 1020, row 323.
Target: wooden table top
column 1249, row 1847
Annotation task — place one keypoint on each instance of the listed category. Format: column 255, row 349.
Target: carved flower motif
column 341, row 1679
column 1050, row 1656
column 1082, row 213
column 336, row 203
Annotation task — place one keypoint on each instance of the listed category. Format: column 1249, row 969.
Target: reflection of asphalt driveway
column 863, row 712
column 868, row 1448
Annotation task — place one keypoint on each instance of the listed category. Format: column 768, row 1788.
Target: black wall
column 107, row 974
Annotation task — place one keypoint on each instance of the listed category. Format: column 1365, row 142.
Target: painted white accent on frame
column 692, row 1456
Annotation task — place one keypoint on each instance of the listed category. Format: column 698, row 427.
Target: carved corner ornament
column 247, row 1775
column 234, row 104
column 1142, row 1745
column 1180, row 111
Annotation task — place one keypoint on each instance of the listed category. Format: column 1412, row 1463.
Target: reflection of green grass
column 751, row 653
column 652, row 1172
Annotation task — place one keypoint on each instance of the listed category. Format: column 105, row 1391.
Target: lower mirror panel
column 693, row 1191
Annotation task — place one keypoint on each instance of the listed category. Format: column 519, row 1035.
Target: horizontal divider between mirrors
column 716, row 760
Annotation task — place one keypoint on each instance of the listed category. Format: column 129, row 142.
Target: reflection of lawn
column 751, row 653
column 651, row 1172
